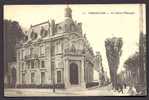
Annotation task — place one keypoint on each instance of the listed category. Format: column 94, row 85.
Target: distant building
column 99, row 68
column 55, row 51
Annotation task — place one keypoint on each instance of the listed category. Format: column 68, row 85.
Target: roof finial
column 68, row 11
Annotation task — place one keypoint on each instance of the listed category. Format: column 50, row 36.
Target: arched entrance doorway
column 73, row 73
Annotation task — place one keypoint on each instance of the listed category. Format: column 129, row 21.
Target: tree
column 132, row 62
column 136, row 64
column 113, row 52
column 12, row 34
column 132, row 65
column 142, row 53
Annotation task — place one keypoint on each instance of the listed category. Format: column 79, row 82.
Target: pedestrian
column 121, row 88
column 132, row 91
column 124, row 85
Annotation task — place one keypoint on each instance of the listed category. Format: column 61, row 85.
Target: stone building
column 55, row 51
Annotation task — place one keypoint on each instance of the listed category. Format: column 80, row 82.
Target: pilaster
column 82, row 74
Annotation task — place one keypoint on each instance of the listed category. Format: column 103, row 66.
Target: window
column 72, row 27
column 22, row 54
column 18, row 54
column 28, row 64
column 58, row 46
column 58, row 76
column 42, row 50
column 42, row 77
column 31, row 51
column 59, row 28
column 42, row 64
column 23, row 78
column 23, row 66
column 37, row 63
column 47, row 50
column 53, row 64
column 53, row 50
column 32, row 64
column 27, row 51
column 73, row 49
column 32, row 78
column 52, row 68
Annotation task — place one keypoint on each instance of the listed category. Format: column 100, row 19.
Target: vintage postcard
column 75, row 50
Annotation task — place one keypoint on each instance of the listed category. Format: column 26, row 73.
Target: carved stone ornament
column 33, row 35
column 25, row 38
column 43, row 33
column 73, row 36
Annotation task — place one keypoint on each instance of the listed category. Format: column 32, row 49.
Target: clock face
column 33, row 35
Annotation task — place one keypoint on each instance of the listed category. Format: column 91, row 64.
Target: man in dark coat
column 120, row 87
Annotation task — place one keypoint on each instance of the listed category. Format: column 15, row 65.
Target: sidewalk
column 96, row 91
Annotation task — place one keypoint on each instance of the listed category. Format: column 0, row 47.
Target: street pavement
column 95, row 91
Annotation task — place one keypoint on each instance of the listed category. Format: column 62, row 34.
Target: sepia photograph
column 75, row 50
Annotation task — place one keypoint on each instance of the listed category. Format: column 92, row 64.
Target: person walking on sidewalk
column 132, row 91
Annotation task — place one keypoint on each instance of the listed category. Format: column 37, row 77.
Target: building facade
column 55, row 52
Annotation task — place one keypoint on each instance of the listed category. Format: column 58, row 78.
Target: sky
column 100, row 21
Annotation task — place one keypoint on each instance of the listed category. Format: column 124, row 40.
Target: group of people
column 124, row 89
column 120, row 87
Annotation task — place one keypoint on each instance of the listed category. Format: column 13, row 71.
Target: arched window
column 73, row 49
